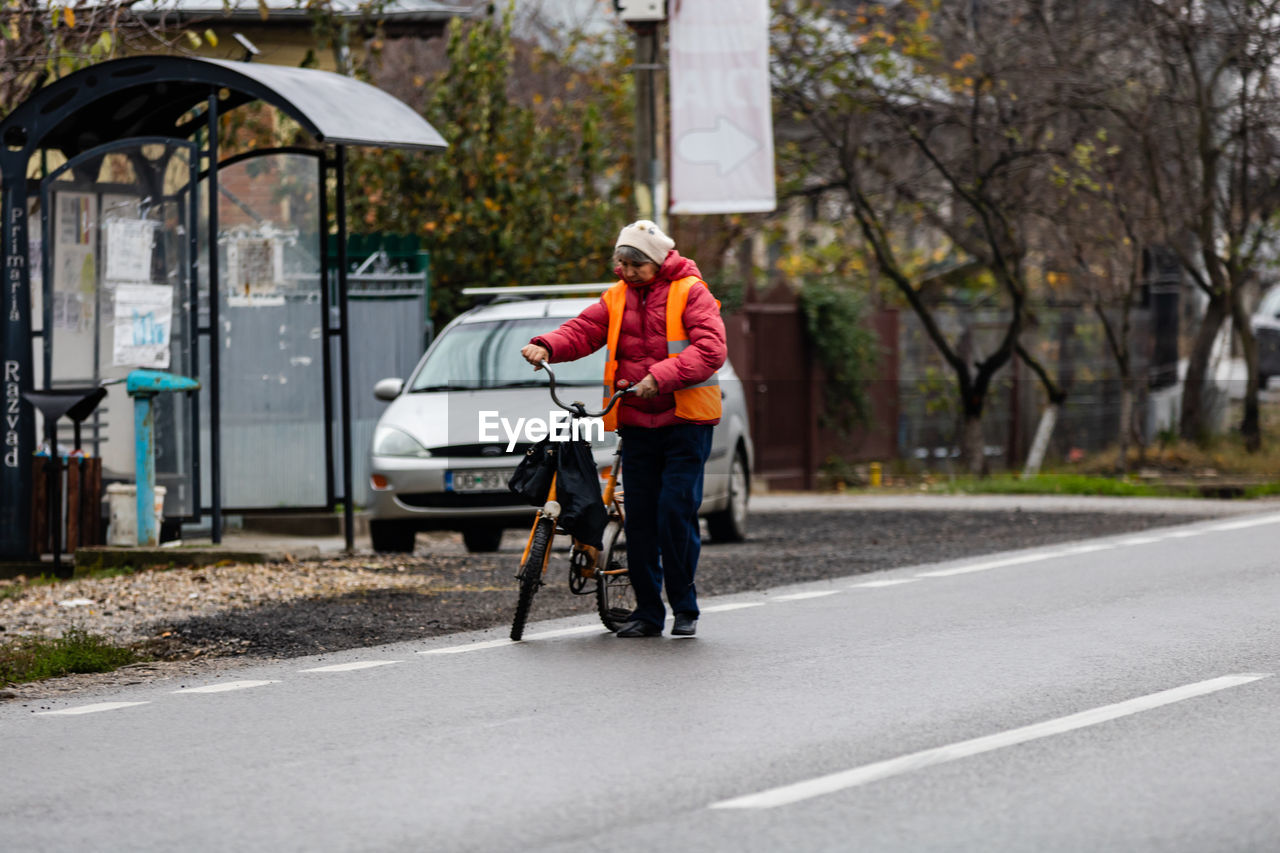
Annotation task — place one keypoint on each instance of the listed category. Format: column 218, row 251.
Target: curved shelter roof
column 154, row 95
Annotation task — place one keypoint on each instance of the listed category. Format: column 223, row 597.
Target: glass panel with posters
column 115, row 294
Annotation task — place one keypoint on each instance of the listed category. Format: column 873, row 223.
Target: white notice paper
column 143, row 317
column 129, row 249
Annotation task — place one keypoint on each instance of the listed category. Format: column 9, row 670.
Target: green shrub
column 34, row 658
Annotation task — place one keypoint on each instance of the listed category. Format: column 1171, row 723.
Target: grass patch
column 35, row 658
column 1263, row 490
column 1057, row 484
column 15, row 587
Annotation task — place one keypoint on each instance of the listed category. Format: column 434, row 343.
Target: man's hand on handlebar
column 645, row 388
column 535, row 355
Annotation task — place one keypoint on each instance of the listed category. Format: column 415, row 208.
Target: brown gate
column 782, row 383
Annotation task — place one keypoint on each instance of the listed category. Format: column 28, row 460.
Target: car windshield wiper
column 517, row 383
column 454, row 386
column 538, row 383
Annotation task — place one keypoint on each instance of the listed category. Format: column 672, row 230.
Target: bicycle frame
column 612, row 503
column 585, row 561
column 551, row 509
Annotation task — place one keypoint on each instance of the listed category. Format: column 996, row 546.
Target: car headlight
column 389, row 441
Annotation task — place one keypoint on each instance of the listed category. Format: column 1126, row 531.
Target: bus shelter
column 130, row 240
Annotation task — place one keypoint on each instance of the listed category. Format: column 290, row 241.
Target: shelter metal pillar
column 15, row 356
column 344, row 352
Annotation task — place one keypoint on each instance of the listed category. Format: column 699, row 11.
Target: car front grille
column 483, row 451
column 458, row 500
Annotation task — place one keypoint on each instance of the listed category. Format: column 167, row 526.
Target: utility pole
column 646, row 18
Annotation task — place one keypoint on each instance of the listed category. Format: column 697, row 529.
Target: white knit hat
column 648, row 238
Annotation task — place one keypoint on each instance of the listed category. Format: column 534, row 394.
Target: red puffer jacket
column 642, row 343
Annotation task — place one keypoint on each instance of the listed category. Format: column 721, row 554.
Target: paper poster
column 75, row 270
column 128, row 249
column 143, row 319
column 254, row 271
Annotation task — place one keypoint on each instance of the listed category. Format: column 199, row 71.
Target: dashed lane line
column 725, row 608
column 225, row 687
column 348, row 667
column 89, row 709
column 868, row 773
column 1245, row 522
column 1019, row 560
column 801, row 596
column 492, row 644
column 881, row 584
column 1087, row 549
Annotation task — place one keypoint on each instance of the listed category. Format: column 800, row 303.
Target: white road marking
column 787, row 794
column 493, row 644
column 1087, row 549
column 801, row 596
column 1247, row 522
column 225, row 687
column 348, row 667
column 725, row 608
column 1183, row 534
column 568, row 632
column 90, row 709
column 470, row 647
column 991, row 564
column 1140, row 540
column 879, row 584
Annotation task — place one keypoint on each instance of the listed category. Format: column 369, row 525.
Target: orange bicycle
column 606, row 567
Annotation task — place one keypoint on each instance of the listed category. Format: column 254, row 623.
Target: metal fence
column 1070, row 343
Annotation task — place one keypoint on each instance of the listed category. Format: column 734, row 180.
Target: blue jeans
column 662, row 473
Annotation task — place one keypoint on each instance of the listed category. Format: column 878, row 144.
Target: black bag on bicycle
column 582, row 511
column 532, row 478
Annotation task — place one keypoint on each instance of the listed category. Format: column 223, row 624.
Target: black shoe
column 640, row 628
column 685, row 626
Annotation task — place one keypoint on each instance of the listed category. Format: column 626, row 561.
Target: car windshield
column 487, row 355
column 1270, row 305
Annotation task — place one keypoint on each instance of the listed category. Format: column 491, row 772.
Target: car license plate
column 479, row 480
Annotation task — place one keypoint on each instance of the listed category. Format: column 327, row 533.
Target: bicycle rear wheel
column 614, row 597
column 531, row 573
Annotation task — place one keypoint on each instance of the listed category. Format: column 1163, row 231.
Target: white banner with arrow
column 721, row 119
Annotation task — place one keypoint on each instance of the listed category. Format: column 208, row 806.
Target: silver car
column 453, row 433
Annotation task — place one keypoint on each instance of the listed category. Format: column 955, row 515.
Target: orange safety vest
column 699, row 402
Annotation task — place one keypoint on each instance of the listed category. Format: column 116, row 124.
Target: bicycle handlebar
column 577, row 409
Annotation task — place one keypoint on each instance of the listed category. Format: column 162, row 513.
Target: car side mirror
column 388, row 389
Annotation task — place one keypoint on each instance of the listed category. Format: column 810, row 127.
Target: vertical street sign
column 721, row 119
column 15, row 358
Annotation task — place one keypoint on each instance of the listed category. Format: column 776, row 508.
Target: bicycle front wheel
column 614, row 597
column 531, row 573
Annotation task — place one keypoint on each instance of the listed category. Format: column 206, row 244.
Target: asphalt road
column 1117, row 694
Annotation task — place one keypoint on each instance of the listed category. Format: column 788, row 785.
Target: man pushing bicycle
column 665, row 339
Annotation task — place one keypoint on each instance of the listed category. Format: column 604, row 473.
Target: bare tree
column 1207, row 115
column 937, row 122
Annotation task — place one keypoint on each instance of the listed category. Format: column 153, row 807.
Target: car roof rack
column 484, row 295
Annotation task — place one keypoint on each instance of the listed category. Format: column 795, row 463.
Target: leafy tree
column 41, row 41
column 529, row 191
